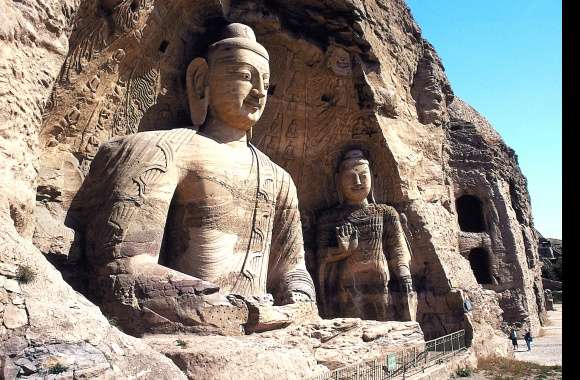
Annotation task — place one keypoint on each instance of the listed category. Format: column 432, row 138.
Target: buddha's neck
column 351, row 203
column 225, row 134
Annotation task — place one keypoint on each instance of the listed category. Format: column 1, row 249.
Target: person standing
column 528, row 339
column 514, row 338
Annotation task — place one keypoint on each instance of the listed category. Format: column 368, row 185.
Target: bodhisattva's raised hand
column 347, row 237
column 407, row 284
column 406, row 279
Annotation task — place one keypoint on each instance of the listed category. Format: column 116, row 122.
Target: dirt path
column 546, row 349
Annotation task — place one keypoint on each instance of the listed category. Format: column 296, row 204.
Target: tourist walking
column 514, row 338
column 528, row 339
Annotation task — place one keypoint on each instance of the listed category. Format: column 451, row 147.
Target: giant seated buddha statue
column 195, row 229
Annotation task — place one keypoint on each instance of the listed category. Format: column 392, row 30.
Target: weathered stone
column 297, row 352
column 52, row 237
column 81, row 360
column 92, row 372
column 14, row 317
column 33, row 49
column 8, row 369
column 8, row 270
column 265, row 316
column 12, row 286
column 14, row 345
column 26, row 366
column 362, row 250
column 505, row 259
column 358, row 73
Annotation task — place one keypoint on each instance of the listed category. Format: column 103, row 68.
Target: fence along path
column 402, row 363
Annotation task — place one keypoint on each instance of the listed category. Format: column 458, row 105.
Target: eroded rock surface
column 75, row 73
column 294, row 353
column 45, row 323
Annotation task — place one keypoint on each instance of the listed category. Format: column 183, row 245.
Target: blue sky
column 504, row 58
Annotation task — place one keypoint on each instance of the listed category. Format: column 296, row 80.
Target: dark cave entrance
column 479, row 261
column 470, row 213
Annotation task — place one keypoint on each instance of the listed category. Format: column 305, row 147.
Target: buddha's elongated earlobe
column 338, row 191
column 197, row 90
column 249, row 135
column 371, row 197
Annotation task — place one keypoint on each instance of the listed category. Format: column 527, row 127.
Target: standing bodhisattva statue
column 360, row 244
column 194, row 230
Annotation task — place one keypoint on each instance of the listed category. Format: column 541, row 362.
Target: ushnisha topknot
column 238, row 36
column 352, row 158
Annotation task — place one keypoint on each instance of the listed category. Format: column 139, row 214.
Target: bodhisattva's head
column 354, row 179
column 233, row 83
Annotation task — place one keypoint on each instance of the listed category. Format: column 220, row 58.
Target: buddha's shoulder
column 280, row 172
column 386, row 210
column 165, row 139
column 329, row 215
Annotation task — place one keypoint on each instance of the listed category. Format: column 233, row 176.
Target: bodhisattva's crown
column 238, row 36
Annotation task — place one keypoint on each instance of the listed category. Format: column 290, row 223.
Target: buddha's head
column 354, row 179
column 232, row 84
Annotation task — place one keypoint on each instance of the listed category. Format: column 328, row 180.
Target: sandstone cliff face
column 483, row 166
column 344, row 72
column 45, row 323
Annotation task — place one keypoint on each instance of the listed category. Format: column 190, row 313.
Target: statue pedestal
column 296, row 352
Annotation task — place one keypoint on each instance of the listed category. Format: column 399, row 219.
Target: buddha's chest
column 213, row 196
column 232, row 197
column 211, row 185
column 368, row 224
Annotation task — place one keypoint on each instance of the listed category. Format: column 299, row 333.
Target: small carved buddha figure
column 360, row 245
column 185, row 227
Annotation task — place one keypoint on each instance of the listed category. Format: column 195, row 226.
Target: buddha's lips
column 252, row 108
column 256, row 104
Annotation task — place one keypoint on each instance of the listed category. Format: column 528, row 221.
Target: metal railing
column 401, row 363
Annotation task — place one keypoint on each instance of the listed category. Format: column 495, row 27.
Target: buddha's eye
column 244, row 74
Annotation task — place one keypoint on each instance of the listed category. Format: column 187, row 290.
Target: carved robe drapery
column 245, row 238
column 357, row 286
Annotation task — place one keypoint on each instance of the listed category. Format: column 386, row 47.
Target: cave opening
column 479, row 261
column 470, row 213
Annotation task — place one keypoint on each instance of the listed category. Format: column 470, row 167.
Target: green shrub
column 25, row 274
column 463, row 372
column 57, row 368
column 113, row 321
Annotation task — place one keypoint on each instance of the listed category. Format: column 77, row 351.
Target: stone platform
column 297, row 352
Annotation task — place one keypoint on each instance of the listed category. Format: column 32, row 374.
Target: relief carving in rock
column 361, row 249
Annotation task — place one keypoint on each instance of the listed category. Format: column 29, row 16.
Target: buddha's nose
column 257, row 93
column 357, row 180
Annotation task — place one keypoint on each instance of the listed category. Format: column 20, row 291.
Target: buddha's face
column 339, row 61
column 238, row 87
column 355, row 182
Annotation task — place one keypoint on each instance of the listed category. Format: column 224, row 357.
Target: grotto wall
column 343, row 72
column 43, row 318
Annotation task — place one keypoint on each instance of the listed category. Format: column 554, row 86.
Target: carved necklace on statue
column 358, row 213
column 366, row 219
